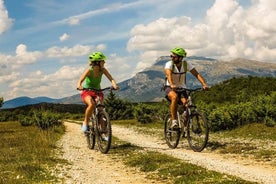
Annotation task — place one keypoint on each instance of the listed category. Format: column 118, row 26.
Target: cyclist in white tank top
column 175, row 71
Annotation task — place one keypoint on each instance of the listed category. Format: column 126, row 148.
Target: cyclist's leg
column 89, row 101
column 172, row 96
column 184, row 100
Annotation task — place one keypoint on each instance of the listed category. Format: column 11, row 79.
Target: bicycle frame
column 187, row 109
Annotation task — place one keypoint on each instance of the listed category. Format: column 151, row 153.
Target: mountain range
column 146, row 85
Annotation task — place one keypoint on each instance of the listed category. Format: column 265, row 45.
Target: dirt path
column 89, row 167
column 103, row 169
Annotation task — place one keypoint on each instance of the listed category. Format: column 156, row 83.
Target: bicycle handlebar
column 98, row 90
column 188, row 89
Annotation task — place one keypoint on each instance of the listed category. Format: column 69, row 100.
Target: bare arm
column 199, row 78
column 108, row 75
column 85, row 73
column 168, row 73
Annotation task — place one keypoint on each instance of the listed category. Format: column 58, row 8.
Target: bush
column 25, row 120
column 42, row 119
column 144, row 113
column 46, row 119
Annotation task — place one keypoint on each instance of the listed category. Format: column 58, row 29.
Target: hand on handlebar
column 173, row 86
column 115, row 87
column 205, row 87
column 80, row 88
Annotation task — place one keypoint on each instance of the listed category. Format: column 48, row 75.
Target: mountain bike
column 192, row 124
column 99, row 127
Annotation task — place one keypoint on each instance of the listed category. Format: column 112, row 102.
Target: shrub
column 144, row 113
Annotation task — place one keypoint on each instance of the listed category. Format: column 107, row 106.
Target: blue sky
column 44, row 45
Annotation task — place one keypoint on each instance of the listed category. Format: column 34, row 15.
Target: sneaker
column 174, row 124
column 84, row 128
column 104, row 137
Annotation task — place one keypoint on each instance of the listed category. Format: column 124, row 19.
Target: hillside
column 21, row 101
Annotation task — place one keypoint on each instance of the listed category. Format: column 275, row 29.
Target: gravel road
column 88, row 166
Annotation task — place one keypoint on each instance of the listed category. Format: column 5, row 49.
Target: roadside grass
column 252, row 140
column 253, row 131
column 26, row 154
column 166, row 169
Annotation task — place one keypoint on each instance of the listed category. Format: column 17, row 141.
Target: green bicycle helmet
column 96, row 56
column 179, row 51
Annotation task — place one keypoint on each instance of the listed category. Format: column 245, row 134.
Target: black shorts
column 181, row 95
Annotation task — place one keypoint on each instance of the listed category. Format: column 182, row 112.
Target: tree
column 118, row 108
column 1, row 101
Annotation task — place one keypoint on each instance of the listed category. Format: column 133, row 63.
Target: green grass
column 250, row 140
column 26, row 154
column 167, row 169
column 253, row 131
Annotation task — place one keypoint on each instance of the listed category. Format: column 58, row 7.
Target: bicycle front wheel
column 171, row 136
column 197, row 132
column 104, row 132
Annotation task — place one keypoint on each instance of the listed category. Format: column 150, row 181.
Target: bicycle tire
column 104, row 145
column 171, row 136
column 197, row 132
column 90, row 137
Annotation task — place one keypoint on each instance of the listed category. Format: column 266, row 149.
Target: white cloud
column 228, row 31
column 25, row 57
column 60, row 52
column 36, row 82
column 73, row 21
column 64, row 37
column 12, row 64
column 62, row 82
column 119, row 67
column 5, row 21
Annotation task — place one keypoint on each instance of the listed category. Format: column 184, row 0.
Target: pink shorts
column 91, row 93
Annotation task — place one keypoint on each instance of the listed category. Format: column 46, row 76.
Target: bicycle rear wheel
column 104, row 133
column 90, row 137
column 171, row 136
column 197, row 132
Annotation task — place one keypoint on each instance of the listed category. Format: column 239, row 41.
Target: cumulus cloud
column 59, row 52
column 64, row 37
column 5, row 21
column 121, row 66
column 228, row 31
column 25, row 57
column 11, row 64
column 37, row 83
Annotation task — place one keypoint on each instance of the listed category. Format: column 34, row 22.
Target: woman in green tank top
column 92, row 78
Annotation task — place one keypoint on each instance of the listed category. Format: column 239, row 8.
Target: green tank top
column 93, row 82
